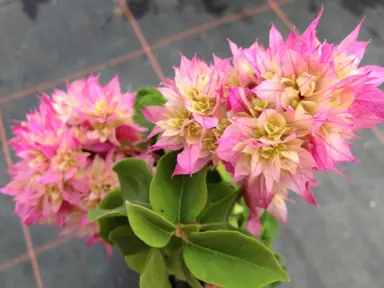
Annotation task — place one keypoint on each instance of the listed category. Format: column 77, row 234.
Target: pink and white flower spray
column 67, row 148
column 274, row 117
column 194, row 115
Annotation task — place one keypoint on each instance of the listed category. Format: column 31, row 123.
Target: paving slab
column 66, row 36
column 337, row 244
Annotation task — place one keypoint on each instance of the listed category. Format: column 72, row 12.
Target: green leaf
column 245, row 215
column 231, row 260
column 213, row 176
column 233, row 222
column 205, row 226
column 107, row 225
column 179, row 198
column 112, row 202
column 151, row 95
column 191, row 280
column 218, row 191
column 173, row 255
column 218, row 211
column 128, row 243
column 279, row 258
column 190, row 228
column 150, row 227
column 145, row 92
column 154, row 274
column 226, row 176
column 269, row 228
column 135, row 179
column 238, row 209
column 273, row 285
column 137, row 261
column 146, row 97
column 111, row 206
column 94, row 215
column 237, row 216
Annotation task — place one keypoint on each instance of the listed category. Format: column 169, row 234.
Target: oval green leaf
column 218, row 191
column 135, row 179
column 217, row 212
column 179, row 198
column 128, row 243
column 110, row 214
column 137, row 261
column 150, row 227
column 154, row 96
column 112, row 200
column 111, row 206
column 94, row 215
column 154, row 274
column 231, row 260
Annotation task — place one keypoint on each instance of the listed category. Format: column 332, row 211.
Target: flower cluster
column 67, row 148
column 272, row 115
column 194, row 116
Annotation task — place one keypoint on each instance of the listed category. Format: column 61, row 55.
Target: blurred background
column 44, row 43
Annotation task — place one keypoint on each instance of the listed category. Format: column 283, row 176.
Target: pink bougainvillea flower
column 65, row 103
column 346, row 58
column 327, row 97
column 34, row 201
column 258, row 200
column 67, row 160
column 77, row 224
column 244, row 102
column 67, row 148
column 181, row 130
column 105, row 113
column 201, row 88
column 242, row 73
column 264, row 146
column 95, row 183
column 37, row 138
column 194, row 116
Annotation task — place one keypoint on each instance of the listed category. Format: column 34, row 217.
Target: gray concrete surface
column 335, row 245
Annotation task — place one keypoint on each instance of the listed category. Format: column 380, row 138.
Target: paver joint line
column 27, row 236
column 43, row 248
column 283, row 17
column 140, row 36
column 137, row 53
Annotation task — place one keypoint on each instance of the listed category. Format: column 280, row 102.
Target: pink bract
column 194, row 116
column 316, row 96
column 276, row 116
column 67, row 148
